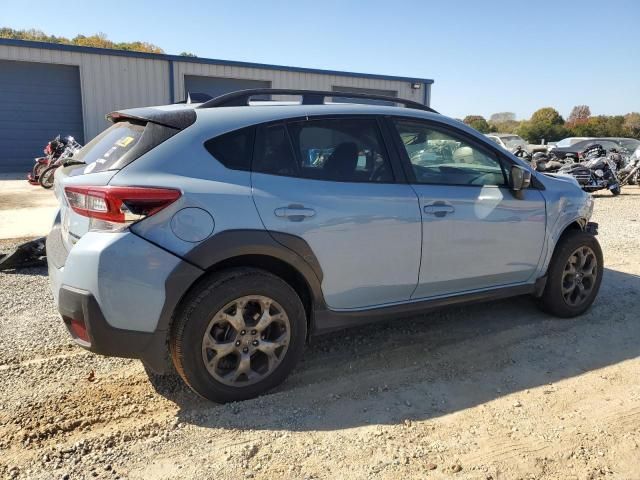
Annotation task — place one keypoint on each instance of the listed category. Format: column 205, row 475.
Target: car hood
column 563, row 177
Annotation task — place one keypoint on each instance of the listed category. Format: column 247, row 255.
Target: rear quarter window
column 234, row 150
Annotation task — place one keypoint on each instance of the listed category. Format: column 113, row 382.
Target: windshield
column 565, row 142
column 514, row 141
column 630, row 144
column 106, row 149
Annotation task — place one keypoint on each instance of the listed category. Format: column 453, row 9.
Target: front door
column 476, row 233
column 331, row 182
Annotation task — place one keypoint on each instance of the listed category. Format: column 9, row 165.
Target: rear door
column 332, row 182
column 476, row 233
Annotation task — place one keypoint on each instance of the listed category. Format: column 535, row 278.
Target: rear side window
column 105, row 150
column 339, row 150
column 234, row 150
column 274, row 154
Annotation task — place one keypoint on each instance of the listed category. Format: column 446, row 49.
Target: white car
column 569, row 141
column 508, row 141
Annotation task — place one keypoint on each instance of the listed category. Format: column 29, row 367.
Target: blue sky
column 485, row 57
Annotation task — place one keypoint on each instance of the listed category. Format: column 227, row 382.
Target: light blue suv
column 218, row 237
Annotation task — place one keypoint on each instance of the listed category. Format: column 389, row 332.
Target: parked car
column 217, row 238
column 567, row 142
column 508, row 141
column 626, row 145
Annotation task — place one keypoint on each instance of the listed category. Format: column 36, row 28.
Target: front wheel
column 238, row 335
column 574, row 275
column 47, row 177
column 616, row 190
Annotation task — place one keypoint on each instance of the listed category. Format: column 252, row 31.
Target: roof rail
column 241, row 98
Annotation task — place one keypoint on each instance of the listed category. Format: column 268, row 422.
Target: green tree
column 632, row 125
column 545, row 124
column 502, row 117
column 600, row 126
column 508, row 126
column 478, row 122
column 99, row 40
column 187, row 54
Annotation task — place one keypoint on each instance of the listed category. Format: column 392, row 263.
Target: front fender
column 563, row 213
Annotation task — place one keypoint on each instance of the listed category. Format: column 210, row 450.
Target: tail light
column 78, row 328
column 115, row 208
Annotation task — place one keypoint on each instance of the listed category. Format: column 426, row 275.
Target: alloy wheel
column 246, row 340
column 579, row 276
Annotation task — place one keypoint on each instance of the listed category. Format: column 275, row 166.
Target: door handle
column 294, row 213
column 439, row 209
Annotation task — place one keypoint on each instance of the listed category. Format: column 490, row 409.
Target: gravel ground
column 494, row 391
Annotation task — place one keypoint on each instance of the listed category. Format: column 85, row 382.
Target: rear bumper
column 123, row 291
column 80, row 306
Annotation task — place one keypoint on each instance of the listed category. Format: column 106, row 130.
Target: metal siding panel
column 37, row 102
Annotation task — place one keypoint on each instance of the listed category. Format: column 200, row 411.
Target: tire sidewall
column 209, row 300
column 552, row 297
column 45, row 175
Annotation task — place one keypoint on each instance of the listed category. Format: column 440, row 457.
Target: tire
column 616, row 191
column 47, row 177
column 213, row 308
column 165, row 384
column 37, row 170
column 559, row 277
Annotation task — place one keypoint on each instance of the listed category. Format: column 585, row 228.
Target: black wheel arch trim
column 290, row 249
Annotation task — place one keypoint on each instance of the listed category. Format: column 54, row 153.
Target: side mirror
column 520, row 178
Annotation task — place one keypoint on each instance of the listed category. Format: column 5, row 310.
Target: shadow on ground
column 421, row 368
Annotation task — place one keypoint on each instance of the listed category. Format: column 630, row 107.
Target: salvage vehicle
column 217, row 238
column 623, row 145
column 508, row 141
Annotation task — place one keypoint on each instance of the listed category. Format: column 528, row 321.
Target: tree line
column 98, row 40
column 548, row 125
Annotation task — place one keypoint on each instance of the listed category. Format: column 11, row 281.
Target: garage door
column 370, row 91
column 37, row 102
column 216, row 86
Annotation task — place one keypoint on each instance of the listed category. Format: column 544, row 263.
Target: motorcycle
column 630, row 173
column 61, row 151
column 52, row 151
column 549, row 163
column 596, row 172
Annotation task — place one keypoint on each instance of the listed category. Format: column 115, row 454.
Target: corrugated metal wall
column 111, row 82
column 290, row 79
column 102, row 78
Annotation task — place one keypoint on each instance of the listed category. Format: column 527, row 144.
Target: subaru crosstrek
column 216, row 238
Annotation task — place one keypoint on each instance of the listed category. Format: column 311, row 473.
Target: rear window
column 106, row 149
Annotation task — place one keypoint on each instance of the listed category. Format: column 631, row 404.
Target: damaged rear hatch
column 134, row 133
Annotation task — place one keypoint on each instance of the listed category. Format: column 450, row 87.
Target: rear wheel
column 37, row 170
column 239, row 334
column 574, row 275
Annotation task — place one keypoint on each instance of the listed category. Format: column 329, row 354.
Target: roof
column 501, row 135
column 209, row 61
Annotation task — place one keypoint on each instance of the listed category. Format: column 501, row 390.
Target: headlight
column 599, row 173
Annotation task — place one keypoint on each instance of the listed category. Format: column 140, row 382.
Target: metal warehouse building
column 50, row 89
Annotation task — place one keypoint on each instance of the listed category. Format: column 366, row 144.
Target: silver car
column 216, row 238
